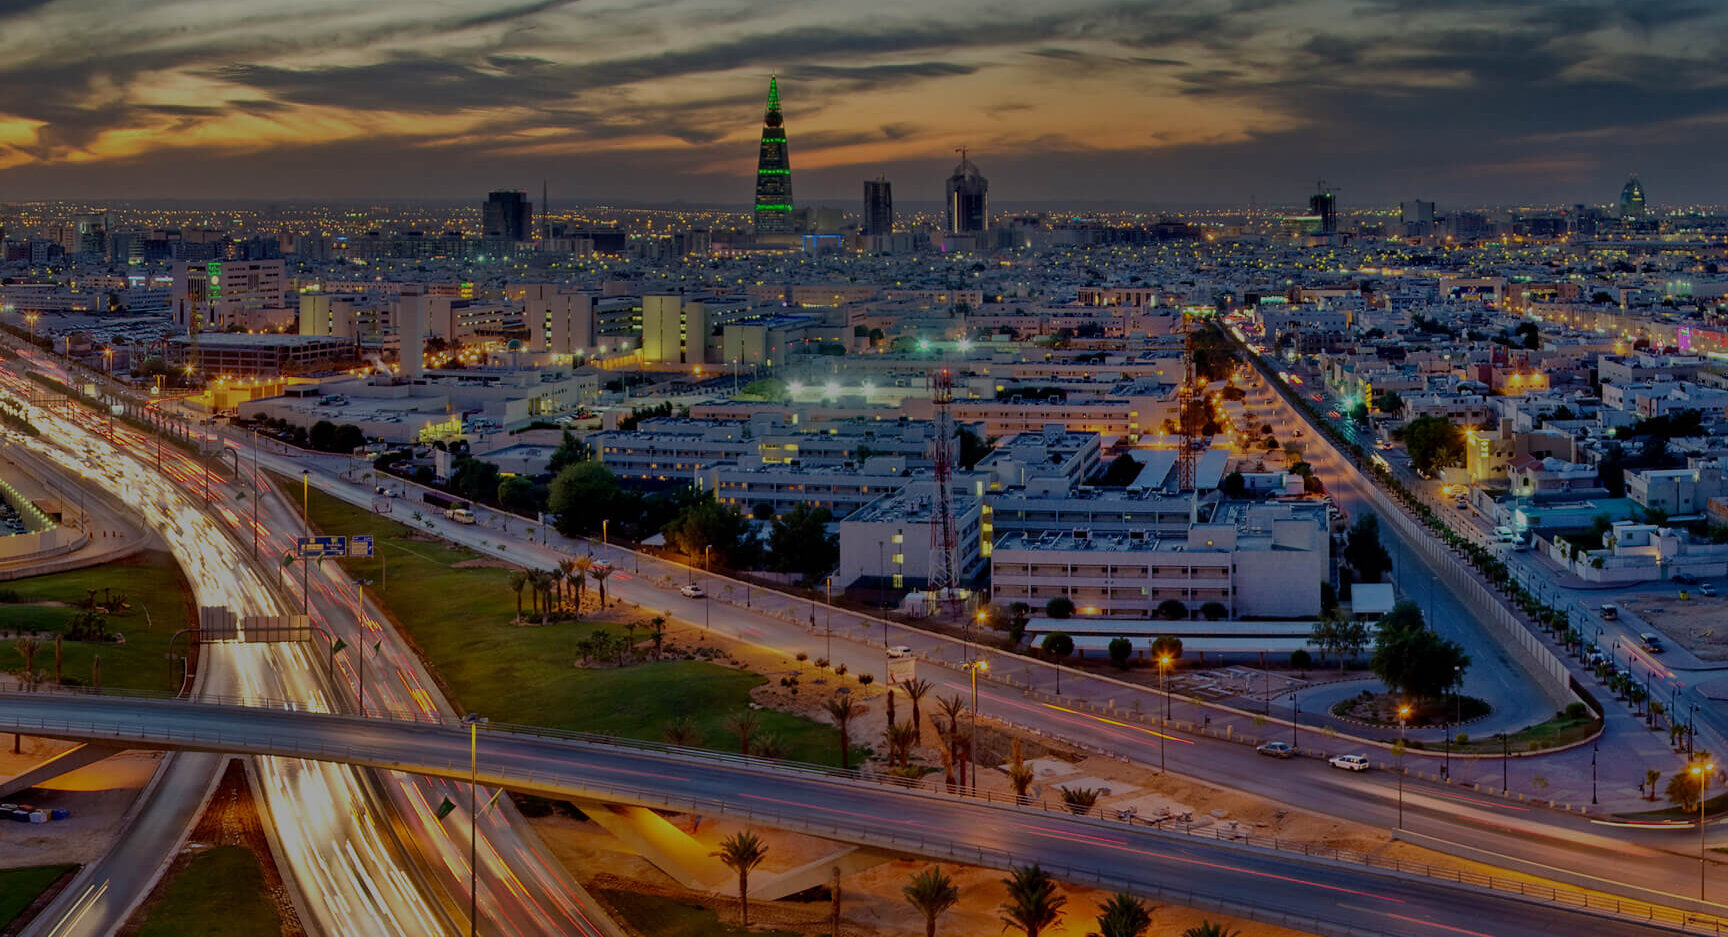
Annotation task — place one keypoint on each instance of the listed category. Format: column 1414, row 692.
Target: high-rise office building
column 1324, row 205
column 1417, row 218
column 90, row 234
column 1632, row 199
column 507, row 215
column 774, row 219
column 968, row 199
column 878, row 207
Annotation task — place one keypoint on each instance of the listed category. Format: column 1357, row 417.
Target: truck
column 459, row 515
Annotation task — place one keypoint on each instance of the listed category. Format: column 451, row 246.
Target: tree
column 1033, row 903
column 972, row 448
column 599, row 574
column 1121, row 649
column 1171, row 610
column 28, row 647
column 1079, row 800
column 916, row 689
column 1388, row 402
column 657, row 632
column 1166, row 645
column 1214, row 611
column 799, row 542
column 744, row 725
column 1528, row 334
column 842, row 710
column 681, row 732
column 1364, row 551
column 742, row 852
column 1433, row 442
column 1300, row 659
column 1209, row 929
column 932, row 892
column 712, row 525
column 1060, row 607
column 1058, row 644
column 1234, row 485
column 578, row 577
column 1119, row 473
column 518, row 492
column 518, row 580
column 570, row 451
column 322, row 435
column 1684, row 788
column 583, row 495
column 1123, row 916
column 1414, row 661
column 771, row 389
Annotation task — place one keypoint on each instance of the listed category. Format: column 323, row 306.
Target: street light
column 1403, row 720
column 972, row 744
column 473, row 721
column 1164, row 715
column 1701, row 771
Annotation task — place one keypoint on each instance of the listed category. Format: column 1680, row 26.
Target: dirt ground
column 98, row 796
column 1699, row 623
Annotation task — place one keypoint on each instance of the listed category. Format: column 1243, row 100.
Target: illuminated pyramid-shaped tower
column 774, row 175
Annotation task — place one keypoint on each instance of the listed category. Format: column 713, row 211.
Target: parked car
column 1686, row 579
column 1276, row 749
column 899, row 650
column 691, row 592
column 1706, row 589
column 1349, row 762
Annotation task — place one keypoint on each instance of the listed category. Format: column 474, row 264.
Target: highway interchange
column 126, row 465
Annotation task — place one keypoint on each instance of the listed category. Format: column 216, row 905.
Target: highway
column 356, row 869
column 1334, row 896
column 1507, row 833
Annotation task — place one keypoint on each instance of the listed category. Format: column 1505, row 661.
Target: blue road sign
column 321, row 547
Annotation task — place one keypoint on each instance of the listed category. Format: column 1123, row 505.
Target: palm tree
column 932, row 892
column 518, row 580
column 1033, row 903
column 842, row 710
column 1123, row 916
column 599, row 574
column 1079, row 800
column 580, row 566
column 954, row 707
column 657, row 628
column 1021, row 778
column 681, row 732
column 744, row 725
column 769, row 746
column 742, row 852
column 1209, row 929
column 564, row 569
column 900, row 742
column 915, row 691
column 28, row 646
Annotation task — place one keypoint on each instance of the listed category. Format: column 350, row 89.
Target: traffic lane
column 1140, row 857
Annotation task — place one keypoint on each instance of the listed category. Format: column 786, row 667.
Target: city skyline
column 1182, row 104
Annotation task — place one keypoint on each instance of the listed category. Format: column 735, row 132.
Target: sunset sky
column 1167, row 102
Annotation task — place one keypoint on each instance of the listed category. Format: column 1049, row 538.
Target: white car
column 691, row 592
column 899, row 650
column 1349, row 762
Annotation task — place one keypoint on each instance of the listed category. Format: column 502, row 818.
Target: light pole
column 1702, row 772
column 1164, row 714
column 1594, row 749
column 1403, row 720
column 473, row 720
column 305, row 532
column 1505, row 756
column 972, row 744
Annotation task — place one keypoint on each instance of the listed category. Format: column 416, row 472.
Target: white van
column 459, row 515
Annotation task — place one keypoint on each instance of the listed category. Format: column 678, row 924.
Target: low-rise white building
column 888, row 543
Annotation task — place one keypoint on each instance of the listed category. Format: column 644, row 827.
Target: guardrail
column 551, row 781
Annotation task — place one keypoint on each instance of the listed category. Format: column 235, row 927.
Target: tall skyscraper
column 774, row 219
column 968, row 199
column 1323, row 204
column 507, row 215
column 878, row 207
column 1632, row 198
column 1417, row 218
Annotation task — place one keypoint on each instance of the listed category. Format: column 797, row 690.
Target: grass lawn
column 19, row 887
column 460, row 618
column 1558, row 731
column 160, row 603
column 668, row 917
column 220, row 893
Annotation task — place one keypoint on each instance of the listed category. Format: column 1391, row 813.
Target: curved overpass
column 1307, row 893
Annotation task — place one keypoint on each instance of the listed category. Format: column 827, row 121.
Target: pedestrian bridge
column 1322, row 894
